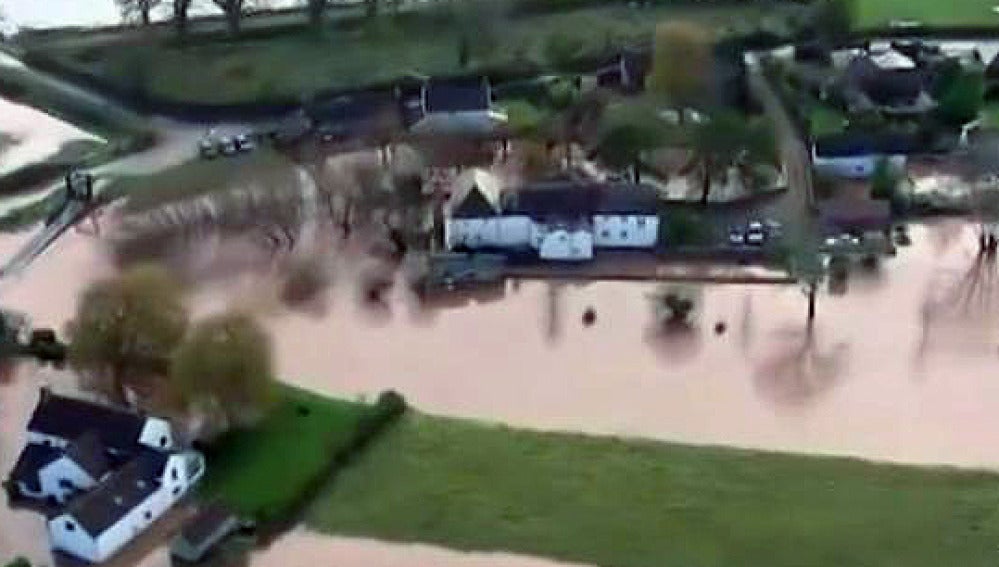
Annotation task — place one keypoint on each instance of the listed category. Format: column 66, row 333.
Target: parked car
column 245, row 143
column 755, row 234
column 736, row 237
column 774, row 229
column 207, row 148
column 227, row 146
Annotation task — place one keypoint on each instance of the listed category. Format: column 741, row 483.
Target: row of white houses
column 106, row 474
column 557, row 221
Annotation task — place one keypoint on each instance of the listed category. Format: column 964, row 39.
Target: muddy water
column 901, row 367
column 36, row 135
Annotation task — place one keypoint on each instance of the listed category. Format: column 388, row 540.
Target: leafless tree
column 233, row 10
column 180, row 10
column 131, row 9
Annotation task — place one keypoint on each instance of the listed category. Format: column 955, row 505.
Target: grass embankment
column 267, row 471
column 354, row 53
column 605, row 501
column 879, row 13
column 198, row 177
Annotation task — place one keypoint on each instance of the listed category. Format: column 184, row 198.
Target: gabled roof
column 457, row 95
column 65, row 418
column 474, row 194
column 33, row 459
column 130, row 486
column 88, row 453
column 575, row 199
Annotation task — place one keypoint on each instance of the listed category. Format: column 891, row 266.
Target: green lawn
column 930, row 12
column 611, row 502
column 990, row 115
column 262, row 472
column 352, row 54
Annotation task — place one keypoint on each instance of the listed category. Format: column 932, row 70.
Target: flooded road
column 901, row 367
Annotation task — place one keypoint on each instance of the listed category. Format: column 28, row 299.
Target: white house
column 98, row 524
column 114, row 471
column 558, row 221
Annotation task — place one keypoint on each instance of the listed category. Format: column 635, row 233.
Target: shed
column 205, row 530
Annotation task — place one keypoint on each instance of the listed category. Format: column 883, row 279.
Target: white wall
column 632, row 231
column 35, row 438
column 860, row 167
column 498, row 231
column 157, row 434
column 63, row 468
column 67, row 535
column 565, row 244
column 173, row 487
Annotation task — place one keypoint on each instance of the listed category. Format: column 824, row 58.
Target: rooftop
column 102, row 507
column 65, row 418
column 576, row 199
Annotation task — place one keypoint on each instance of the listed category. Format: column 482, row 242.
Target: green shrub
column 682, row 228
column 19, row 562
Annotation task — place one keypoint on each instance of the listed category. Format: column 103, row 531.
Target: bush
column 682, row 228
column 19, row 562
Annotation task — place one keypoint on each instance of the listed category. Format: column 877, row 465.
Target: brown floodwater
column 901, row 367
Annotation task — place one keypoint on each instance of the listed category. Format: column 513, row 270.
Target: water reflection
column 799, row 369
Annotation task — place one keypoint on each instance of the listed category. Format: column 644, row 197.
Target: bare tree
column 233, row 10
column 180, row 10
column 141, row 8
column 316, row 10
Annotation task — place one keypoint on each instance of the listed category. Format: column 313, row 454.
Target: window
column 641, row 221
column 624, row 234
column 147, row 515
column 173, row 474
column 163, row 441
column 67, row 484
column 176, row 491
column 605, row 233
column 70, row 527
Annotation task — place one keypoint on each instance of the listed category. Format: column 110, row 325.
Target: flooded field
column 901, row 367
column 28, row 135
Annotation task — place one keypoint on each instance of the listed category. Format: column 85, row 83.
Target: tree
column 628, row 131
column 180, row 11
column 19, row 562
column 316, row 9
column 561, row 49
column 371, row 7
column 803, row 262
column 233, row 10
column 725, row 140
column 125, row 329
column 682, row 63
column 833, row 20
column 141, row 8
column 225, row 369
column 960, row 93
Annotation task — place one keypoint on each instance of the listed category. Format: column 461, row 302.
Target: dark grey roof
column 885, row 87
column 210, row 524
column 853, row 144
column 67, row 417
column 102, row 507
column 855, row 214
column 457, row 95
column 474, row 205
column 573, row 199
column 33, row 458
column 89, row 454
column 356, row 114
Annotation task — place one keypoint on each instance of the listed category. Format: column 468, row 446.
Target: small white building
column 557, row 221
column 101, row 522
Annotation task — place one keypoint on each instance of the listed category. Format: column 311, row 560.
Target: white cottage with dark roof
column 559, row 221
column 112, row 472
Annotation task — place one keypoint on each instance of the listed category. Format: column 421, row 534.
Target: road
column 176, row 144
column 797, row 208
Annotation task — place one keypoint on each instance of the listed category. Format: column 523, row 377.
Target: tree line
column 140, row 11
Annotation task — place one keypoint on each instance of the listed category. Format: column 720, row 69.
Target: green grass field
column 296, row 63
column 263, row 471
column 872, row 13
column 622, row 503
